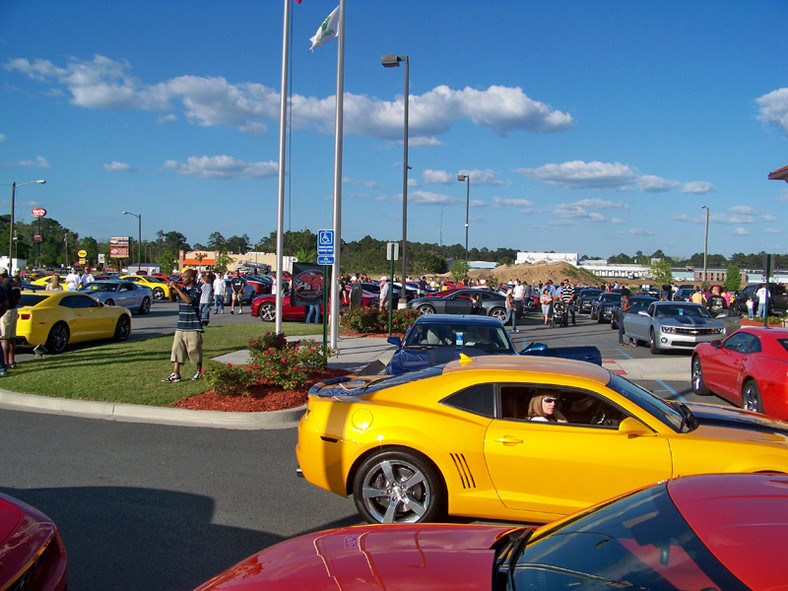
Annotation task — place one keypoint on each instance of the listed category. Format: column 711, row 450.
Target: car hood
column 416, row 557
column 711, row 416
column 689, row 321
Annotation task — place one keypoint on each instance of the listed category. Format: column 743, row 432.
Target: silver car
column 676, row 325
column 135, row 297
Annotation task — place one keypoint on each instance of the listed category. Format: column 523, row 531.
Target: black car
column 602, row 310
column 585, row 299
column 462, row 302
column 778, row 302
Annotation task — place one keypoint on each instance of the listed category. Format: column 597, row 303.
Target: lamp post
column 392, row 61
column 467, row 179
column 139, row 237
column 11, row 227
column 706, row 244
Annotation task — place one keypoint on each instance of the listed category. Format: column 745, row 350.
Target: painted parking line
column 673, row 394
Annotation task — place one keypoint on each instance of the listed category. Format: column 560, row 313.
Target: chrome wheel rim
column 426, row 310
column 697, row 375
column 268, row 312
column 749, row 399
column 396, row 491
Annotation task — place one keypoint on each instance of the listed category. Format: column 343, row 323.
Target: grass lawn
column 131, row 372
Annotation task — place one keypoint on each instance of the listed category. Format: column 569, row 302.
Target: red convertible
column 264, row 307
column 748, row 368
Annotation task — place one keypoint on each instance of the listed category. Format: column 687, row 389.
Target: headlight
column 719, row 330
column 668, row 329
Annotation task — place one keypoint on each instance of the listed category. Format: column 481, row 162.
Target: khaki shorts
column 187, row 344
column 8, row 324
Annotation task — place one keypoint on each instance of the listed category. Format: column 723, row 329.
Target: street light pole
column 392, row 61
column 139, row 237
column 706, row 245
column 11, row 226
column 467, row 179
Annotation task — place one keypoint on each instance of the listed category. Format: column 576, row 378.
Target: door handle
column 509, row 440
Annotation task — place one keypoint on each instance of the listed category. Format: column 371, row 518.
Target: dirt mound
column 534, row 273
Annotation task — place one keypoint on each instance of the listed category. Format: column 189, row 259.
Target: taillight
column 25, row 315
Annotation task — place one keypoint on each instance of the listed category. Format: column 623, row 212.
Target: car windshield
column 610, row 297
column 695, row 311
column 638, row 542
column 652, row 404
column 489, row 338
column 30, row 299
column 96, row 286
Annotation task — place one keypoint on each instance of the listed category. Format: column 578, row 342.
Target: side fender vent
column 463, row 470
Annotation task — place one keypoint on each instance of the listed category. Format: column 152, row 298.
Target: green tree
column 459, row 270
column 237, row 244
column 661, row 272
column 733, row 278
column 167, row 262
column 217, row 242
column 223, row 261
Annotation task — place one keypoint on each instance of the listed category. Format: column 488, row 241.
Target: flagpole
column 280, row 208
column 335, row 299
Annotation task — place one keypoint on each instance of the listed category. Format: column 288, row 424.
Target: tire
column 57, row 341
column 398, row 486
column 122, row 328
column 144, row 306
column 158, row 293
column 267, row 312
column 698, row 385
column 652, row 343
column 751, row 396
column 426, row 309
column 499, row 313
column 109, row 302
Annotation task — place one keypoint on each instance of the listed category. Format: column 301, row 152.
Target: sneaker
column 241, row 311
column 12, row 366
column 196, row 376
column 173, row 377
column 231, row 312
column 3, row 372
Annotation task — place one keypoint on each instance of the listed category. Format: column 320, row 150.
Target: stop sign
column 39, row 212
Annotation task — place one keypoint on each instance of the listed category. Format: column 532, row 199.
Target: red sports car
column 749, row 368
column 714, row 531
column 32, row 555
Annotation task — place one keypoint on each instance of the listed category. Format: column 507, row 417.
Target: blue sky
column 590, row 127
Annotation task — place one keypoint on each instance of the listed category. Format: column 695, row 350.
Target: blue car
column 438, row 338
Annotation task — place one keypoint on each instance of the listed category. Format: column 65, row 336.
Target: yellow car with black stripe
column 160, row 289
column 56, row 319
column 464, row 439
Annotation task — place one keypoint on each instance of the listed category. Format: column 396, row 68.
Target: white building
column 548, row 257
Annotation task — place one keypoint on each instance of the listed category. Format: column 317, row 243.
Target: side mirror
column 533, row 348
column 643, row 313
column 633, row 428
column 716, row 344
column 395, row 341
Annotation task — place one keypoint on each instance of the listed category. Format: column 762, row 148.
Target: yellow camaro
column 56, row 319
column 46, row 279
column 160, row 289
column 504, row 437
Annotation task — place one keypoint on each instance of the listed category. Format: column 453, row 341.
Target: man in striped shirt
column 187, row 342
column 568, row 296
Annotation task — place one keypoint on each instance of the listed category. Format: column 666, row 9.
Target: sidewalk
column 356, row 354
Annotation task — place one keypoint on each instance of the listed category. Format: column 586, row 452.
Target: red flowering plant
column 286, row 363
column 228, row 380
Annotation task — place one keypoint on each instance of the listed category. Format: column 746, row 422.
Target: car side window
column 78, row 301
column 478, row 399
column 579, row 408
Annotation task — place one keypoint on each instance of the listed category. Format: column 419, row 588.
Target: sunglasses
column 551, row 400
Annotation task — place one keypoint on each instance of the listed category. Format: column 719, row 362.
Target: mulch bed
column 262, row 398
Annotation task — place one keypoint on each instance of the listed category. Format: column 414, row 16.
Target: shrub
column 228, row 379
column 270, row 340
column 284, row 363
column 371, row 320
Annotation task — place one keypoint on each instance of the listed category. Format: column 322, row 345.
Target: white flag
column 327, row 31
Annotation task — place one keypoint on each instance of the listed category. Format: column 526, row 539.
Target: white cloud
column 428, row 198
column 579, row 174
column 500, row 202
column 222, row 168
column 771, row 231
column 616, row 221
column 103, row 83
column 39, row 162
column 741, row 232
column 698, row 187
column 738, row 214
column 654, row 184
column 637, row 232
column 118, row 167
column 774, row 109
column 601, row 204
column 2, row 137
column 482, row 177
column 441, row 177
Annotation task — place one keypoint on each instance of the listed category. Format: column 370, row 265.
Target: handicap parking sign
column 325, row 243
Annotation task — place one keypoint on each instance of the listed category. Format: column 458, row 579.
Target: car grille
column 464, row 471
column 693, row 332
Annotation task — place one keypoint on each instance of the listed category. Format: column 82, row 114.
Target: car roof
column 530, row 364
column 465, row 319
column 742, row 519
